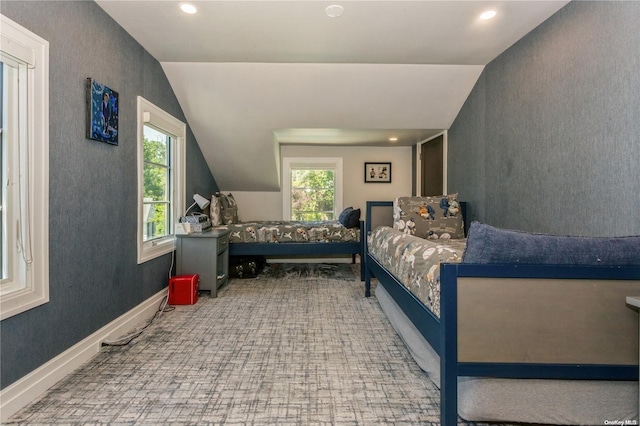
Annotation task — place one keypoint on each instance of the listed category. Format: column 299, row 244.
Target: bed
column 562, row 331
column 343, row 236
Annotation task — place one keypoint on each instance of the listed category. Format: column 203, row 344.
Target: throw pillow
column 229, row 209
column 342, row 218
column 487, row 244
column 353, row 219
column 350, row 218
column 215, row 211
column 436, row 217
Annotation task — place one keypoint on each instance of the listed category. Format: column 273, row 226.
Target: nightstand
column 206, row 254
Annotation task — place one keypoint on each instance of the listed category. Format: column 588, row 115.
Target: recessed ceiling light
column 489, row 14
column 393, row 139
column 188, row 8
column 334, row 11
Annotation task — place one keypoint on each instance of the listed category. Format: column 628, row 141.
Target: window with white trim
column 312, row 188
column 161, row 176
column 24, row 155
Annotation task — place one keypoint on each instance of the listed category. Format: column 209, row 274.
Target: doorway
column 432, row 166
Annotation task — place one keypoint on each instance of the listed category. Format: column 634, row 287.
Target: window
column 157, row 172
column 312, row 194
column 24, row 159
column 312, row 188
column 161, row 157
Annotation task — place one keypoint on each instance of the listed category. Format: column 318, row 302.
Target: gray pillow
column 432, row 217
column 486, row 244
column 228, row 209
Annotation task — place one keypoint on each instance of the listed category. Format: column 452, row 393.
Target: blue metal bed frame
column 442, row 333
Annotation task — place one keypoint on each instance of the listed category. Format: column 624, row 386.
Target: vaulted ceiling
column 252, row 75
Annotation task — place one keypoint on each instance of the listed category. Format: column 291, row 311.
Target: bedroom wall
column 94, row 276
column 549, row 139
column 268, row 205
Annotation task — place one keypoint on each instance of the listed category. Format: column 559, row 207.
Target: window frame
column 27, row 285
column 321, row 163
column 148, row 113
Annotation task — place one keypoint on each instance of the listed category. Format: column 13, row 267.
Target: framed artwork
column 102, row 113
column 377, row 172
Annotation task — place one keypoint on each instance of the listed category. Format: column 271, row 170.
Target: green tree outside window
column 156, row 176
column 312, row 194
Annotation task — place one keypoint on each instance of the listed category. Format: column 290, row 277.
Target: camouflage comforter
column 415, row 262
column 290, row 232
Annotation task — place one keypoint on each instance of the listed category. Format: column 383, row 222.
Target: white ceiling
column 251, row 75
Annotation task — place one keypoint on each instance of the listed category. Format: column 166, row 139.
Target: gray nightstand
column 206, row 254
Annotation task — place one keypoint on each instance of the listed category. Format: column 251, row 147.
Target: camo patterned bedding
column 291, row 232
column 415, row 262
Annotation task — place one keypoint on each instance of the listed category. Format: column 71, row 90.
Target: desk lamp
column 200, row 201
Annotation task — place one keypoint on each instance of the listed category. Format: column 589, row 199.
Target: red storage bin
column 183, row 289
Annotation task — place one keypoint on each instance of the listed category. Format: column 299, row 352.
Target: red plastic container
column 183, row 289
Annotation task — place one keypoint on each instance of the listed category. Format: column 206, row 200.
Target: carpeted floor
column 275, row 350
column 336, row 271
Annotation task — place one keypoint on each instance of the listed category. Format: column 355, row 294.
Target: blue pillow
column 343, row 216
column 353, row 220
column 486, row 244
column 350, row 218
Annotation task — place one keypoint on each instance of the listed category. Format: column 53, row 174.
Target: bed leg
column 449, row 345
column 367, row 283
column 448, row 397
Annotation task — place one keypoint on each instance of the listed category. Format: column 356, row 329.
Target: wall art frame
column 102, row 113
column 377, row 172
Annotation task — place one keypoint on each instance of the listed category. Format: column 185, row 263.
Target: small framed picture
column 102, row 113
column 377, row 172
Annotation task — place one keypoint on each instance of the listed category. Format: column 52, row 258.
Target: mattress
column 291, row 232
column 414, row 261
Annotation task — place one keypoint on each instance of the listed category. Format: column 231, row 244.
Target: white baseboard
column 27, row 389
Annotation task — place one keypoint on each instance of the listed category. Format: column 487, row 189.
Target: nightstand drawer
column 223, row 243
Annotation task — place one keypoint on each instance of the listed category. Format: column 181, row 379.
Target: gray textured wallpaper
column 94, row 275
column 549, row 139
